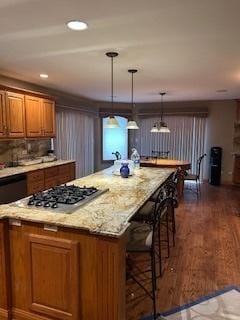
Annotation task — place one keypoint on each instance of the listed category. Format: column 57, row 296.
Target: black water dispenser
column 215, row 166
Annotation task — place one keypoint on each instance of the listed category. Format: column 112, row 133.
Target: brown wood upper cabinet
column 3, row 123
column 40, row 117
column 33, row 116
column 15, row 115
column 48, row 107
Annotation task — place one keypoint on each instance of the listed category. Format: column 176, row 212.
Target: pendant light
column 160, row 127
column 112, row 121
column 132, row 123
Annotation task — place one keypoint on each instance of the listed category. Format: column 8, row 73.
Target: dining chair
column 160, row 154
column 190, row 177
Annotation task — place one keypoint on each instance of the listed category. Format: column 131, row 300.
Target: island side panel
column 4, row 272
column 111, row 277
column 96, row 263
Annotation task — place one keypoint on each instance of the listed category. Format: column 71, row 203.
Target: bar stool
column 144, row 238
column 146, row 215
column 172, row 192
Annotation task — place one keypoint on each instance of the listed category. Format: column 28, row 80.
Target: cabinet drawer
column 64, row 178
column 51, row 182
column 35, row 176
column 35, row 187
column 51, row 172
column 64, row 169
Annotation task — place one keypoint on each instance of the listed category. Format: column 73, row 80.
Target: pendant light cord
column 161, row 108
column 112, row 82
column 161, row 116
column 112, row 55
column 132, row 71
column 132, row 91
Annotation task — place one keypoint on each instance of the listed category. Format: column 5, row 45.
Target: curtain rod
column 175, row 113
column 62, row 106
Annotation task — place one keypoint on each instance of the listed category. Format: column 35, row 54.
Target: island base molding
column 65, row 275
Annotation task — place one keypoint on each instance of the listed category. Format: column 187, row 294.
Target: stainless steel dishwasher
column 13, row 188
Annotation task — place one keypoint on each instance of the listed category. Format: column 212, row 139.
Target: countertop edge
column 24, row 169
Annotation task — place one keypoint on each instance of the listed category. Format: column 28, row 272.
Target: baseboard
column 18, row 314
column 4, row 314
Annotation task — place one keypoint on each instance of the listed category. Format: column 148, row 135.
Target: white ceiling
column 189, row 48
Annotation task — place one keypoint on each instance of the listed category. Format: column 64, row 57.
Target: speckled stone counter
column 7, row 172
column 109, row 214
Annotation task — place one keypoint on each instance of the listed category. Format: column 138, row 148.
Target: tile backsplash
column 14, row 150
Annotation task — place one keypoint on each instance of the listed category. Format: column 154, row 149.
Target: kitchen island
column 72, row 266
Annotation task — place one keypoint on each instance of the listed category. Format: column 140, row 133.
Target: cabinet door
column 33, row 116
column 52, row 269
column 51, row 177
column 66, row 173
column 3, row 126
column 236, row 173
column 35, row 181
column 15, row 115
column 4, row 272
column 48, row 118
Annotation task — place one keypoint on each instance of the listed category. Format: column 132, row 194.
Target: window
column 185, row 142
column 115, row 139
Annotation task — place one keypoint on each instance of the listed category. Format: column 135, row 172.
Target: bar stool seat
column 139, row 237
column 145, row 213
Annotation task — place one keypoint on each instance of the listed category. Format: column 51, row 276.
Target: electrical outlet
column 29, row 147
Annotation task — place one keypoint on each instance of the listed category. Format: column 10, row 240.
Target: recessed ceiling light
column 43, row 75
column 77, row 25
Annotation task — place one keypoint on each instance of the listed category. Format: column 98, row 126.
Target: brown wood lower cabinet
column 236, row 171
column 53, row 279
column 4, row 272
column 67, row 275
column 43, row 179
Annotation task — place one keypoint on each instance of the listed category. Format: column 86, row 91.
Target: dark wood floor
column 207, row 252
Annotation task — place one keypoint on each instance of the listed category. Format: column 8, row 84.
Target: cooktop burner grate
column 63, row 198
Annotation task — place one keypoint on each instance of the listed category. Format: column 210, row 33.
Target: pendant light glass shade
column 164, row 128
column 154, row 128
column 160, row 127
column 132, row 124
column 112, row 121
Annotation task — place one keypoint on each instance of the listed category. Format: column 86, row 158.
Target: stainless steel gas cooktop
column 60, row 199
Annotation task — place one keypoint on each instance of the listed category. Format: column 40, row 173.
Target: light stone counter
column 109, row 214
column 6, row 172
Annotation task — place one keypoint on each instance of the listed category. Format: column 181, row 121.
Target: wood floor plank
column 206, row 257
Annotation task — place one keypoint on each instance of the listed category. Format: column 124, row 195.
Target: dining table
column 168, row 163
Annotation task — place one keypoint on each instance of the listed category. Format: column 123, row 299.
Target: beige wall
column 61, row 98
column 219, row 132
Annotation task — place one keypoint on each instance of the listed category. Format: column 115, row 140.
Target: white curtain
column 185, row 142
column 75, row 139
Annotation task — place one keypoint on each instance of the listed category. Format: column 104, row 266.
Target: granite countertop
column 6, row 172
column 108, row 214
